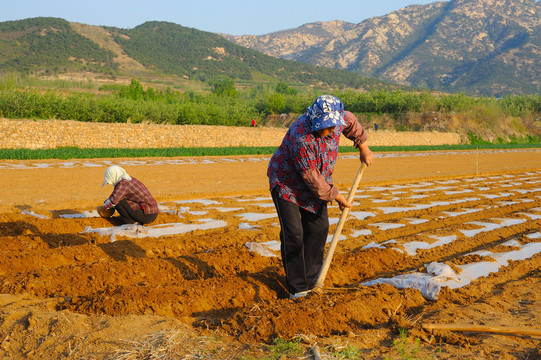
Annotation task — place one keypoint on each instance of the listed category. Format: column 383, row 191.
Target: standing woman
column 130, row 197
column 300, row 179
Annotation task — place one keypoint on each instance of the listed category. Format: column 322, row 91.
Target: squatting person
column 300, row 180
column 130, row 198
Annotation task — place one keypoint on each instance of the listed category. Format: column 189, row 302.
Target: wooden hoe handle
column 338, row 231
column 484, row 328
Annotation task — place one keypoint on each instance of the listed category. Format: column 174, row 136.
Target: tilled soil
column 201, row 293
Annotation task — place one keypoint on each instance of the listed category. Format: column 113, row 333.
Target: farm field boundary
column 52, row 134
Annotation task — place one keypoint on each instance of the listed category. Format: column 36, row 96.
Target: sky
column 233, row 17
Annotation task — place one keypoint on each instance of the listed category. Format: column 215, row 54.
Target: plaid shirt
column 302, row 166
column 136, row 194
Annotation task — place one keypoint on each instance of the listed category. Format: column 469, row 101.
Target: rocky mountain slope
column 489, row 47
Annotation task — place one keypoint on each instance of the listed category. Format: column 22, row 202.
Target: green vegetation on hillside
column 51, row 46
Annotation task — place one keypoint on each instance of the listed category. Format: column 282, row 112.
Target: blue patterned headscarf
column 327, row 111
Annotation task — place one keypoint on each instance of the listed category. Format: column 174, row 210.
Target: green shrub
column 223, row 106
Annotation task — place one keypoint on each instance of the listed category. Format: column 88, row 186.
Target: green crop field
column 78, row 153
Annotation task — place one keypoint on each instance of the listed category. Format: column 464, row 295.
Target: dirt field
column 433, row 238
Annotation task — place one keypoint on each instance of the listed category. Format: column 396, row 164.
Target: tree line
column 226, row 105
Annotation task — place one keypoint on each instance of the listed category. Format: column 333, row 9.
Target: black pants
column 130, row 216
column 302, row 236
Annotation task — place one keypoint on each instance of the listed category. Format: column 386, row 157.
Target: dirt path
column 193, row 284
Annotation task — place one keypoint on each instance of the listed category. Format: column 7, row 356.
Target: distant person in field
column 376, row 126
column 253, row 122
column 130, row 198
column 300, row 180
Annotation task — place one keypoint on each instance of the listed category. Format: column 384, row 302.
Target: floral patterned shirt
column 302, row 166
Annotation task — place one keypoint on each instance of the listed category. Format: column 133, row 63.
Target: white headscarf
column 114, row 174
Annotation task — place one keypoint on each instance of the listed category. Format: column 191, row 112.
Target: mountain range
column 155, row 51
column 486, row 47
column 479, row 47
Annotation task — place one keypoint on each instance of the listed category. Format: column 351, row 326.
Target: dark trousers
column 302, row 236
column 130, row 216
